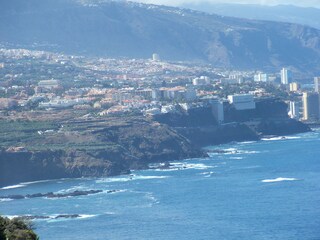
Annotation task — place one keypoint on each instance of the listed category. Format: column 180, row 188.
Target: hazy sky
column 304, row 3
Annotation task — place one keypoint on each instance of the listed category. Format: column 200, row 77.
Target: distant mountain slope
column 115, row 29
column 281, row 13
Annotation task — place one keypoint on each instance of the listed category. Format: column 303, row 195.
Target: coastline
column 183, row 143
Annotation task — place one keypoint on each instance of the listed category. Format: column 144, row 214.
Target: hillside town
column 44, row 81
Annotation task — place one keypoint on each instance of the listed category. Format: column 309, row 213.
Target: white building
column 261, row 77
column 317, row 84
column 155, row 57
column 203, row 80
column 285, row 76
column 237, row 77
column 49, row 84
column 63, row 103
column 293, row 110
column 168, row 108
column 311, row 109
column 242, row 101
column 294, row 87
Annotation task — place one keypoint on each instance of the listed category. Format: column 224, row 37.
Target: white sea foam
column 128, row 178
column 166, row 169
column 292, row 137
column 53, row 217
column 149, row 177
column 230, row 150
column 84, row 216
column 24, row 184
column 233, row 151
column 247, row 152
column 34, row 182
column 110, row 213
column 252, row 167
column 273, row 139
column 5, row 199
column 72, row 189
column 247, row 142
column 183, row 166
column 279, row 179
column 114, row 179
column 151, row 197
column 13, row 186
column 280, row 138
column 207, row 174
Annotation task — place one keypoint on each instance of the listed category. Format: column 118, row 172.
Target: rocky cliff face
column 126, row 29
column 132, row 144
column 109, row 146
column 211, row 135
column 268, row 118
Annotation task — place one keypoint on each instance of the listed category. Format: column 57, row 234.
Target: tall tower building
column 155, row 57
column 294, row 108
column 294, row 87
column 285, row 76
column 311, row 108
column 317, row 84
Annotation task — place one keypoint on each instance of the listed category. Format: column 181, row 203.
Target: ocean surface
column 268, row 189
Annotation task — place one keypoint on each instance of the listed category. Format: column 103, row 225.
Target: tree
column 16, row 229
column 2, row 228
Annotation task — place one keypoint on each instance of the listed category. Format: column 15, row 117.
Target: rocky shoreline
column 116, row 145
column 55, row 195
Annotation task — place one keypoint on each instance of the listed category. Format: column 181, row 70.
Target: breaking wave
column 279, row 179
column 129, row 178
column 13, row 186
column 280, row 138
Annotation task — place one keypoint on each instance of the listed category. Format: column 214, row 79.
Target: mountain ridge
column 135, row 30
column 308, row 16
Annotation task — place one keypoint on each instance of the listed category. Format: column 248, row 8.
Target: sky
column 302, row 3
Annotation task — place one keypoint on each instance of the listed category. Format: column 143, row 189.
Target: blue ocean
column 269, row 189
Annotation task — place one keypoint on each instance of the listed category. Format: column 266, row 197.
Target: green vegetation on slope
column 16, row 229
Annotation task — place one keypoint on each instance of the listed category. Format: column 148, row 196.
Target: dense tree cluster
column 16, row 229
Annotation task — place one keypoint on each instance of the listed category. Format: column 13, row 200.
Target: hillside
column 126, row 29
column 281, row 13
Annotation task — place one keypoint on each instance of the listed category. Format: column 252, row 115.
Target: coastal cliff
column 200, row 126
column 92, row 148
column 51, row 147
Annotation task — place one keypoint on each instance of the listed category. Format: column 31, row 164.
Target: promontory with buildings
column 72, row 116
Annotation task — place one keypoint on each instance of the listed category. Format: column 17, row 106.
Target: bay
column 269, row 189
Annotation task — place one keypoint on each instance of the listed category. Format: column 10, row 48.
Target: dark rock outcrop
column 35, row 217
column 204, row 136
column 117, row 148
column 56, row 195
column 194, row 117
column 281, row 127
column 199, row 125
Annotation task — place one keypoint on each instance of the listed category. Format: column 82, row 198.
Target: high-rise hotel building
column 310, row 101
column 317, row 84
column 285, row 76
